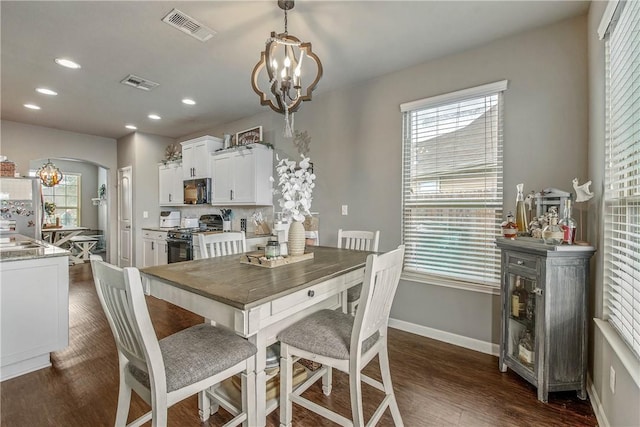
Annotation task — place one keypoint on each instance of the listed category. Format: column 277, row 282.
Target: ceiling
column 356, row 40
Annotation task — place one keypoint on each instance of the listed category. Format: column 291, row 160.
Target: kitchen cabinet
column 241, row 177
column 34, row 313
column 544, row 314
column 195, row 156
column 155, row 250
column 170, row 189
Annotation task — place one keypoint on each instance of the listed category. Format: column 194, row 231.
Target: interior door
column 125, row 213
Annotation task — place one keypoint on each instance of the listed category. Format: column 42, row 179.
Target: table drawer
column 305, row 296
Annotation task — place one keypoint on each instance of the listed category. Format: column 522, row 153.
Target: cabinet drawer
column 522, row 261
column 157, row 235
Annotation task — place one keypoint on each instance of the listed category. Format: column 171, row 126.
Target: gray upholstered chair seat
column 353, row 293
column 196, row 353
column 326, row 333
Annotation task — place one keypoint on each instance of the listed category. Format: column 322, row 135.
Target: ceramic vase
column 226, row 225
column 296, row 239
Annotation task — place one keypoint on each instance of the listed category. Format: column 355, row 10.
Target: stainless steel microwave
column 197, row 191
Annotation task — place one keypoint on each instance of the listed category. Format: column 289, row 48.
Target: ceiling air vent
column 139, row 82
column 186, row 24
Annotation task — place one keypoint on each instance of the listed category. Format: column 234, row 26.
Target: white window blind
column 452, row 185
column 622, row 174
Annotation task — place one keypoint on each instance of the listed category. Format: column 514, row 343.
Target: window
column 452, row 185
column 66, row 196
column 622, row 173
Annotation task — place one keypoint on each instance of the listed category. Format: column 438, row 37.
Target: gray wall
column 22, row 143
column 143, row 152
column 356, row 150
column 620, row 408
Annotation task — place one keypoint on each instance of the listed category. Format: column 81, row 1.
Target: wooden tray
column 257, row 258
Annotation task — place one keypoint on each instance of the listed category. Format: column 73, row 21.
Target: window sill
column 450, row 283
column 626, row 356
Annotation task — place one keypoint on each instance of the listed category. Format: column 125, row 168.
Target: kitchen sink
column 16, row 246
column 20, row 249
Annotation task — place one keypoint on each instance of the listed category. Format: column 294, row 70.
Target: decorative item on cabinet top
column 249, row 136
column 173, row 153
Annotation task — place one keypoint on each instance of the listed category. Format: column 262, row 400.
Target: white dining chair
column 341, row 341
column 220, row 244
column 165, row 372
column 360, row 241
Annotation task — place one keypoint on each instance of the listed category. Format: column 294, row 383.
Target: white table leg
column 260, row 415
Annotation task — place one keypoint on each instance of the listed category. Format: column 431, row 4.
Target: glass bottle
column 552, row 233
column 519, row 297
column 526, row 354
column 509, row 227
column 272, row 250
column 531, row 307
column 521, row 213
column 568, row 224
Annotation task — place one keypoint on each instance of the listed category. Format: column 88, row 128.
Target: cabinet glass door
column 521, row 320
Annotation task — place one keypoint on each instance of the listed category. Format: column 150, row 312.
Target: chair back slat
column 358, row 240
column 221, row 244
column 122, row 299
column 382, row 275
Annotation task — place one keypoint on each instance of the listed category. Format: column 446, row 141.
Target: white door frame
column 125, row 217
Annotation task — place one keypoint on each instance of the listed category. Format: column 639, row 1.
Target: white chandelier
column 280, row 69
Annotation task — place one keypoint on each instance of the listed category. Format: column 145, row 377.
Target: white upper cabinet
column 195, row 156
column 170, row 189
column 242, row 177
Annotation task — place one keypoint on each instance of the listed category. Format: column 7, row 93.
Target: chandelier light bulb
column 287, row 62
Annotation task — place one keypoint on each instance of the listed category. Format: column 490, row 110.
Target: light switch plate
column 145, row 214
column 345, row 209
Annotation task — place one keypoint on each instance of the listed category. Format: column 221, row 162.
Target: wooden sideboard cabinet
column 544, row 313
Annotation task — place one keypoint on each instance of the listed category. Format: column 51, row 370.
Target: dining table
column 59, row 236
column 256, row 301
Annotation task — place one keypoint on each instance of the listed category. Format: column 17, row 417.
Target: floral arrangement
column 296, row 185
column 49, row 208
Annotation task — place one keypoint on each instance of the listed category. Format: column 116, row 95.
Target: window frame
column 78, row 208
column 613, row 302
column 432, row 278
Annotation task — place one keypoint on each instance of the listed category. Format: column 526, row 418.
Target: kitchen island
column 34, row 304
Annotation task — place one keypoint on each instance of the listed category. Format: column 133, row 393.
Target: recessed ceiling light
column 132, row 127
column 154, row 117
column 67, row 63
column 189, row 101
column 45, row 91
column 32, row 106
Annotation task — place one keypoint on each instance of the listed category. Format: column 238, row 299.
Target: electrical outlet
column 145, row 214
column 612, row 379
column 345, row 209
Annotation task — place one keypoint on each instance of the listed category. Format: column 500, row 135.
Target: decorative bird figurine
column 582, row 191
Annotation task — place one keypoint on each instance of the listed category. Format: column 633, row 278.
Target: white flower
column 296, row 186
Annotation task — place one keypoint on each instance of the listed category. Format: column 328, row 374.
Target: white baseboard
column 596, row 404
column 448, row 337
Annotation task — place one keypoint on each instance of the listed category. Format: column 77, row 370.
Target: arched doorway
column 84, row 201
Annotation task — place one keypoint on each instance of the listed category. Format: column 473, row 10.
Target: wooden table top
column 227, row 280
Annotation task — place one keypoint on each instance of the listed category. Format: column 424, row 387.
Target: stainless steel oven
column 180, row 240
column 179, row 249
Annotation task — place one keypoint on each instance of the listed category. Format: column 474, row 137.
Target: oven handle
column 188, row 242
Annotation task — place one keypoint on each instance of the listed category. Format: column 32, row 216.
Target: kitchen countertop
column 9, row 252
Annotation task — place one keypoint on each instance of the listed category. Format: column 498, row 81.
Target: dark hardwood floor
column 436, row 384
